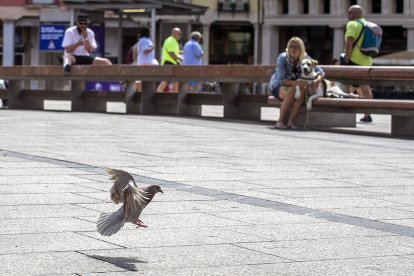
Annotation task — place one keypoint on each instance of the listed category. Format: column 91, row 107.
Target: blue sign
column 99, row 30
column 50, row 37
column 103, row 86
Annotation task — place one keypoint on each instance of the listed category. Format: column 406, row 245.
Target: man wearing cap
column 79, row 42
column 192, row 56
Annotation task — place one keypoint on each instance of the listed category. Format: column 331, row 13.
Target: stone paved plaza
column 239, row 197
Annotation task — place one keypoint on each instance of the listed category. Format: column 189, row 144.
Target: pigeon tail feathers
column 110, row 223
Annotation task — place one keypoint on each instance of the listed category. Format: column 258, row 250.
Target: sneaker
column 66, row 68
column 366, row 119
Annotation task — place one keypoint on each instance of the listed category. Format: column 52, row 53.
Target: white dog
column 308, row 74
column 336, row 89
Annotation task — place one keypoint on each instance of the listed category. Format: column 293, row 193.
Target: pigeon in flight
column 134, row 200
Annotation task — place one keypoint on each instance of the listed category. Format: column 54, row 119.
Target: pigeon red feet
column 140, row 223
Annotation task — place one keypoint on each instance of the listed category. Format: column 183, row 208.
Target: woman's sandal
column 293, row 127
column 277, row 126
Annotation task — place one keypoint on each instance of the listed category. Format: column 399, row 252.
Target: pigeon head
column 153, row 189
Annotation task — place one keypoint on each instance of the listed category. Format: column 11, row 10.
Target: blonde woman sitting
column 283, row 82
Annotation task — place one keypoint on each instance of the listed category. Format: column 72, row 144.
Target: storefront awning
column 147, row 8
column 163, row 7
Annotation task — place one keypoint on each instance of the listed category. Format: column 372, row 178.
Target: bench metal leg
column 15, row 97
column 182, row 107
column 147, row 103
column 402, row 126
column 132, row 105
column 250, row 111
column 86, row 102
column 230, row 106
column 326, row 119
column 77, row 88
column 18, row 101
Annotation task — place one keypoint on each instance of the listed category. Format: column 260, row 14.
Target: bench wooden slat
column 356, row 103
column 366, row 103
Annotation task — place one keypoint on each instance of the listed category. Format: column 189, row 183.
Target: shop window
column 306, row 7
column 399, row 6
column 376, row 6
column 326, row 6
column 231, row 44
column 285, row 6
column 233, row 5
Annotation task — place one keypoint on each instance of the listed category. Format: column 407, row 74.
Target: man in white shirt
column 79, row 42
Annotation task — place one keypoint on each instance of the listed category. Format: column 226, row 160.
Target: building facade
column 321, row 24
column 234, row 31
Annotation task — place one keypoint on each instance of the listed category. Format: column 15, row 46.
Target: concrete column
column 386, row 6
column 315, row 7
column 153, row 25
column 206, row 42
column 120, row 28
column 366, row 6
column 339, row 40
column 8, row 42
column 410, row 38
column 270, row 44
column 339, row 7
column 295, row 7
column 408, row 7
column 272, row 7
column 34, row 54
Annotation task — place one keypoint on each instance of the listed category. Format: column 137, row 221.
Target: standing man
column 192, row 56
column 79, row 42
column 171, row 56
column 353, row 54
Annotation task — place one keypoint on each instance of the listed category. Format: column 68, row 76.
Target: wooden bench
column 326, row 112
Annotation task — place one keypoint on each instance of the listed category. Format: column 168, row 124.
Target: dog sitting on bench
column 308, row 74
column 336, row 89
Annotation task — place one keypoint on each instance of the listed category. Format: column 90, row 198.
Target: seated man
column 79, row 42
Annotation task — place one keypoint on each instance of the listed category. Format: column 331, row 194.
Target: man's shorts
column 168, row 63
column 84, row 60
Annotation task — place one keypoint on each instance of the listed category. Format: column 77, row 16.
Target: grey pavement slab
column 53, row 263
column 240, row 198
column 330, row 249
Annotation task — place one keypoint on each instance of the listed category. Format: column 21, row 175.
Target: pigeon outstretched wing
column 121, row 181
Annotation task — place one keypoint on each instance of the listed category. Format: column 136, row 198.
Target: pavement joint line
column 269, row 130
column 274, row 205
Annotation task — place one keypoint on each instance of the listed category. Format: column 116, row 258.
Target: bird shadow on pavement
column 122, row 262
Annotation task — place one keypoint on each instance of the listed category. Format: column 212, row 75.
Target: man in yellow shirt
column 353, row 54
column 171, row 56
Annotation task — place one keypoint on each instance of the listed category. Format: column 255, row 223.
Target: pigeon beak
column 161, row 191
